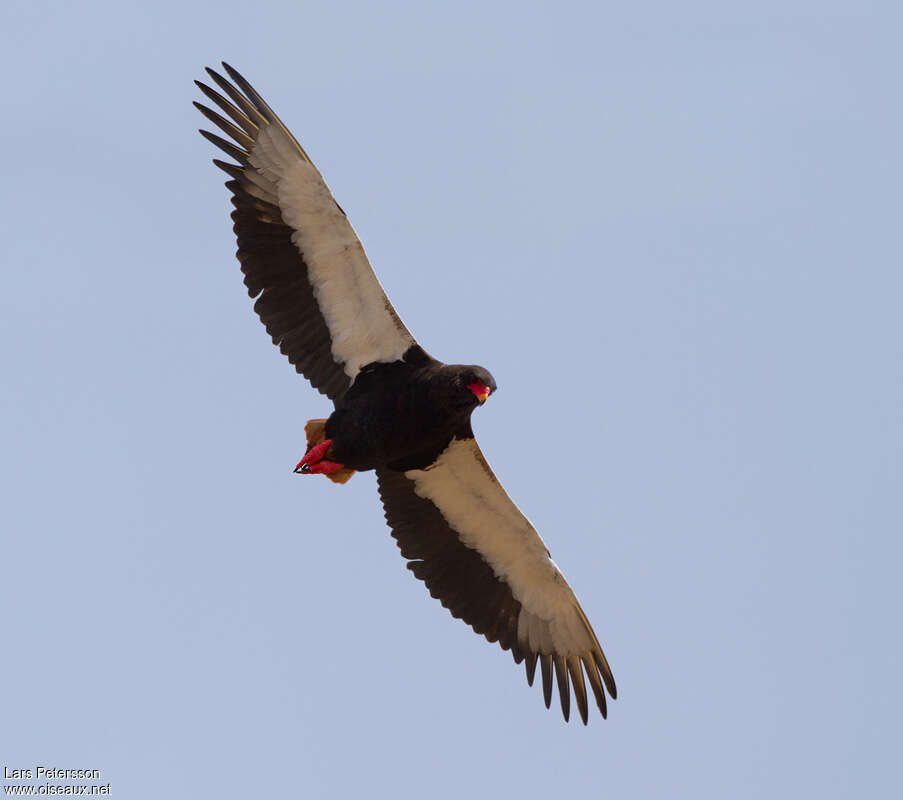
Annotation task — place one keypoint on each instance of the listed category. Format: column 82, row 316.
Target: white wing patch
column 362, row 323
column 462, row 486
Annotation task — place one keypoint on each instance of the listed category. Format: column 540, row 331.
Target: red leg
column 313, row 460
column 326, row 467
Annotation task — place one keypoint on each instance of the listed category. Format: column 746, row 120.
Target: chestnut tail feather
column 315, row 430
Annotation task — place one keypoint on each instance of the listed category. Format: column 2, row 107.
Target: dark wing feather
column 443, row 519
column 454, row 574
column 316, row 293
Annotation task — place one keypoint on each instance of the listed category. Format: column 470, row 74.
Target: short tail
column 316, row 433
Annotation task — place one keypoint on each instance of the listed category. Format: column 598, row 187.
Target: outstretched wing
column 480, row 556
column 316, row 292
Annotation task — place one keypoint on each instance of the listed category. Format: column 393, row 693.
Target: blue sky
column 672, row 233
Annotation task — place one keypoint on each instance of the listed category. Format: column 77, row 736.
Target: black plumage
column 402, row 415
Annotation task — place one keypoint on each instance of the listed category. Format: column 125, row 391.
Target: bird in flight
column 398, row 411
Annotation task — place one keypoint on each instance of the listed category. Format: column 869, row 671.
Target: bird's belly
column 397, row 435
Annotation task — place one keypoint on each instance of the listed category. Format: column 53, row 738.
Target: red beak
column 481, row 390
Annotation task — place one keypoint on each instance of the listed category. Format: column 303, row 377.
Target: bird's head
column 473, row 385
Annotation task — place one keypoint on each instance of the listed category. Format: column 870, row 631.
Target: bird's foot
column 314, row 462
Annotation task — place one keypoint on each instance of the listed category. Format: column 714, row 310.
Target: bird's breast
column 399, row 424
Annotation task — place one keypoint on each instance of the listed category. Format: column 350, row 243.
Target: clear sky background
column 673, row 233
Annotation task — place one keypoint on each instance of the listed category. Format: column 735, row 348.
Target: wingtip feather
column 530, row 667
column 546, row 667
column 602, row 663
column 595, row 683
column 576, row 673
column 564, row 687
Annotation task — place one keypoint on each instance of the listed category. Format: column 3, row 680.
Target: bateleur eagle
column 398, row 411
